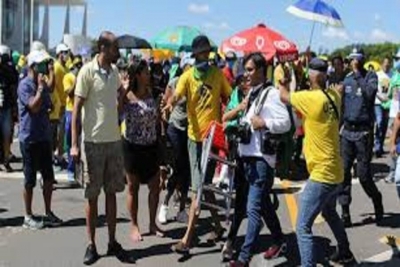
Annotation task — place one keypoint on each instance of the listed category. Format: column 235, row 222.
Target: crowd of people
column 132, row 122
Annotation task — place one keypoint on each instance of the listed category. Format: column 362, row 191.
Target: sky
column 366, row 21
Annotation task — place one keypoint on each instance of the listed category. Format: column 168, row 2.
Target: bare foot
column 135, row 234
column 154, row 230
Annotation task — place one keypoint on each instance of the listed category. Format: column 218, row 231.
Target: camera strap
column 332, row 104
column 260, row 100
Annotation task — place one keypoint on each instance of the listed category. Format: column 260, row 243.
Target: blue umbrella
column 317, row 11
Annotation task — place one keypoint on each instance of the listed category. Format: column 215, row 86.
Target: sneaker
column 339, row 257
column 227, row 251
column 162, row 214
column 115, row 249
column 33, row 224
column 52, row 220
column 275, row 251
column 182, row 217
column 91, row 255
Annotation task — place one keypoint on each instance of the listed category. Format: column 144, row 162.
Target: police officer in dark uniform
column 360, row 88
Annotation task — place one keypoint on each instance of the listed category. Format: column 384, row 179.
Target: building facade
column 19, row 21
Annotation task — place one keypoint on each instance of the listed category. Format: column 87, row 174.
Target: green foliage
column 372, row 51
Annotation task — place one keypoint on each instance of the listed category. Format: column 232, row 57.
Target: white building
column 19, row 21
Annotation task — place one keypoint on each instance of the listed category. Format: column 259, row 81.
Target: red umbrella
column 262, row 39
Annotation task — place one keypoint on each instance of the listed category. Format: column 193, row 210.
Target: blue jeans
column 260, row 177
column 382, row 119
column 316, row 198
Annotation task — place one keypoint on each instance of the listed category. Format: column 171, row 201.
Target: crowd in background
column 134, row 121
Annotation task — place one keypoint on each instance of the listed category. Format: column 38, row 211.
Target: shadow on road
column 3, row 210
column 156, row 250
column 101, row 222
column 379, row 170
column 390, row 220
column 12, row 222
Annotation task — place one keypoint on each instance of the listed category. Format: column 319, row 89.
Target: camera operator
column 320, row 108
column 265, row 117
column 8, row 102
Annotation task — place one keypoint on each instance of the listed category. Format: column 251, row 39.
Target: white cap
column 36, row 57
column 37, row 46
column 187, row 60
column 5, row 50
column 62, row 48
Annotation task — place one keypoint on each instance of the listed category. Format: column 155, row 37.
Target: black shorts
column 37, row 157
column 141, row 161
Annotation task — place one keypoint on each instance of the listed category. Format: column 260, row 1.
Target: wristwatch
column 40, row 89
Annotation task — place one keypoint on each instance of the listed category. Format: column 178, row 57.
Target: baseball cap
column 36, row 57
column 201, row 44
column 37, row 46
column 61, row 48
column 318, row 64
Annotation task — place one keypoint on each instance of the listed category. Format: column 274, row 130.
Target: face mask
column 202, row 66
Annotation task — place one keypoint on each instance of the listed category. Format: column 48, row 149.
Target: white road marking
column 382, row 257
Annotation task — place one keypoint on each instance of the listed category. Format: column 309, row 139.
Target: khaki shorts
column 103, row 167
column 195, row 150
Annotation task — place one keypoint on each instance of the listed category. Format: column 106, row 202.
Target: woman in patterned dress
column 140, row 144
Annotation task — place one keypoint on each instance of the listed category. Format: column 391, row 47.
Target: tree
column 375, row 52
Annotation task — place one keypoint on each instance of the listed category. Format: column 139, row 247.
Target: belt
column 356, row 127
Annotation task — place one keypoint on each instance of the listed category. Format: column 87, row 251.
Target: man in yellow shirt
column 204, row 87
column 69, row 89
column 320, row 108
column 60, row 70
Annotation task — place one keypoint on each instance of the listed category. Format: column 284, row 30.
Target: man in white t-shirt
column 381, row 111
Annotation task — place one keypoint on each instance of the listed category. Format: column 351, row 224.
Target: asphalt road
column 65, row 246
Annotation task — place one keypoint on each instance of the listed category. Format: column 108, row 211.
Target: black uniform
column 357, row 136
